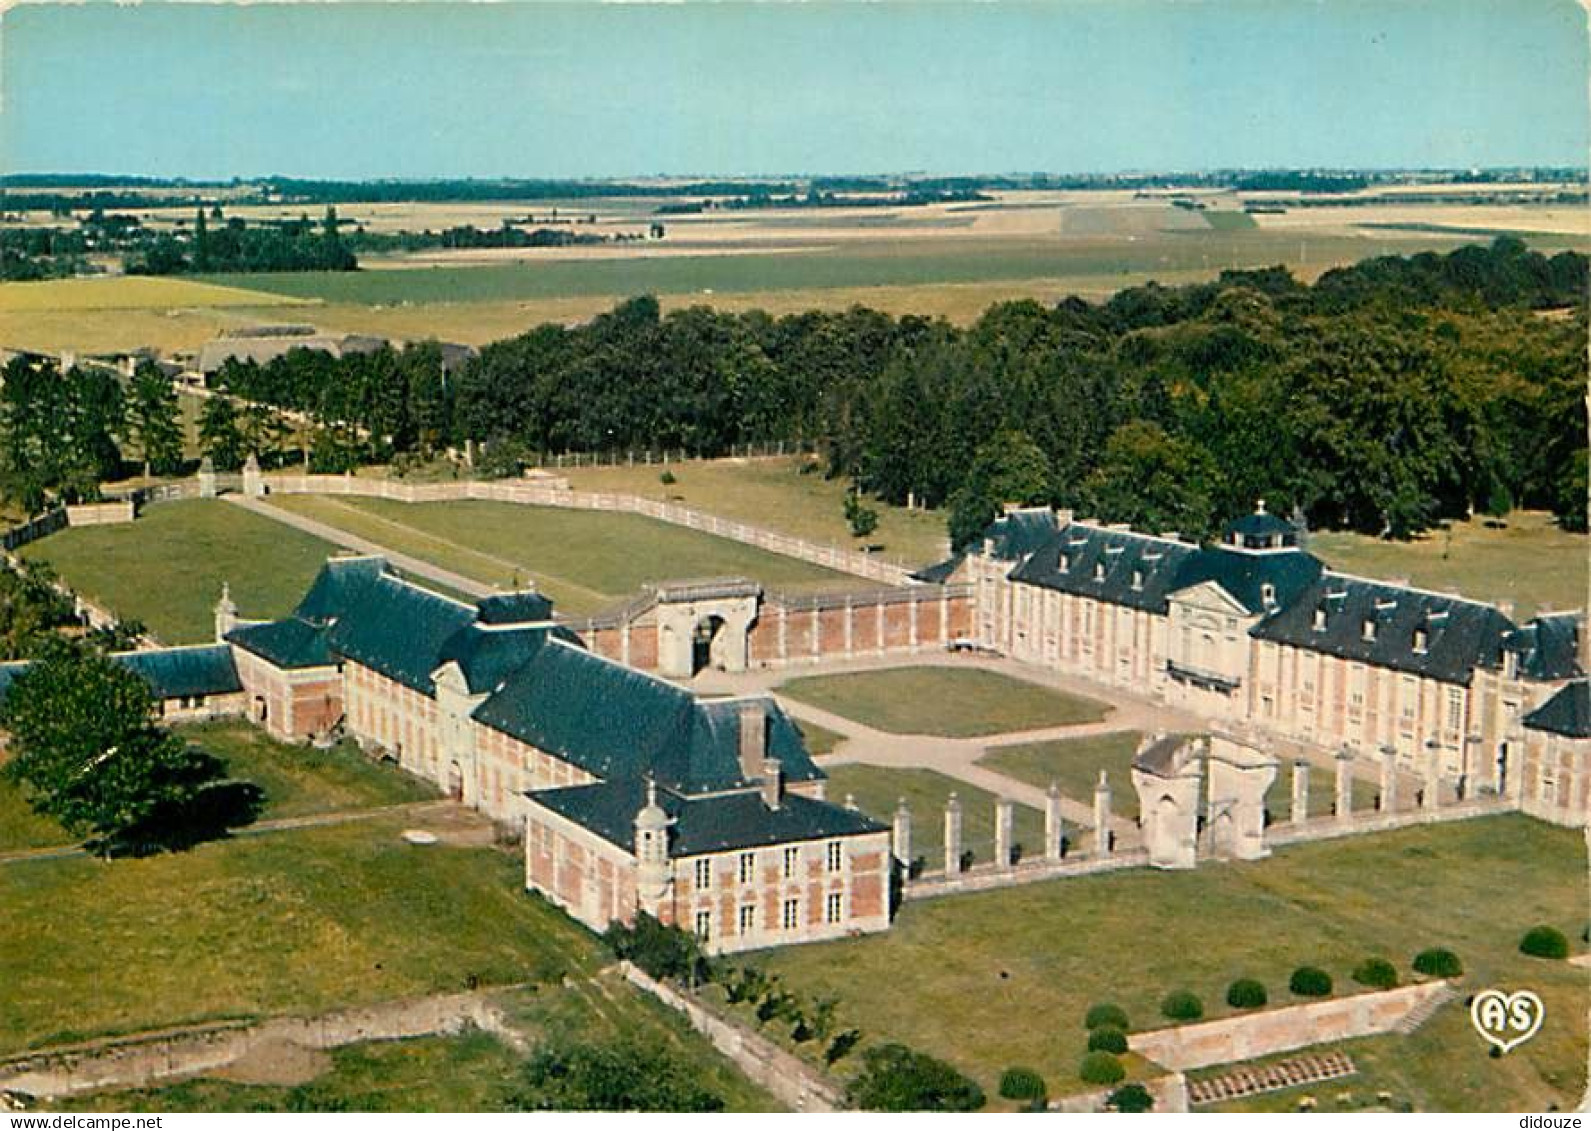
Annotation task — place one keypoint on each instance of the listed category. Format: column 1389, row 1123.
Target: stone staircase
column 1423, row 1012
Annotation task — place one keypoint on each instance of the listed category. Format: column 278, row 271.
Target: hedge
column 1131, row 1098
column 1180, row 1005
column 1377, row 973
column 1246, row 993
column 1022, row 1084
column 1310, row 981
column 1438, row 962
column 1544, row 942
column 1107, row 1038
column 1101, row 1068
column 1106, row 1013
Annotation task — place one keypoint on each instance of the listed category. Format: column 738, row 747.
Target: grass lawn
column 471, row 1072
column 584, row 560
column 820, row 740
column 289, row 922
column 878, row 790
column 999, row 978
column 20, row 826
column 300, row 780
column 1529, row 561
column 166, row 569
column 773, row 493
column 953, row 702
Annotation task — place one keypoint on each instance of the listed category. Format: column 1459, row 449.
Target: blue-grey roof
column 487, row 656
column 337, row 585
column 174, row 673
column 1260, row 529
column 721, row 823
column 1568, row 712
column 291, row 642
column 1548, row 647
column 1459, row 635
column 398, row 630
column 1118, row 566
column 1245, row 575
column 514, row 608
column 1020, row 532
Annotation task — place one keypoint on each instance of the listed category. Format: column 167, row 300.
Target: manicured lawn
column 775, row 494
column 584, row 560
column 1528, row 561
column 300, row 780
column 820, row 740
column 878, row 791
column 954, row 702
column 999, row 978
column 471, row 1072
column 287, row 922
column 166, row 568
column 20, row 826
column 1074, row 765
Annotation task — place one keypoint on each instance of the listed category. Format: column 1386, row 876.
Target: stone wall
column 100, row 514
column 1253, row 1035
column 791, row 1080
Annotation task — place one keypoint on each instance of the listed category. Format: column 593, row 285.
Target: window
column 1268, row 594
column 1320, row 619
column 1419, row 641
column 1455, row 709
column 748, row 867
column 792, row 914
column 1137, row 579
column 792, row 857
column 834, row 907
column 748, row 918
column 704, row 875
column 704, row 925
column 836, row 855
column 1099, row 571
column 1368, row 630
column 1066, row 563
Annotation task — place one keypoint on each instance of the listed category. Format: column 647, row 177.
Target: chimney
column 1506, row 608
column 772, row 783
column 753, row 738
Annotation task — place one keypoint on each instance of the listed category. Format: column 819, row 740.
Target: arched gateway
column 705, row 624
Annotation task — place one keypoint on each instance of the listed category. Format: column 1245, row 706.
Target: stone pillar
column 1054, row 824
column 253, row 482
column 903, row 835
column 1004, row 823
column 1389, row 780
column 1102, row 816
column 953, row 836
column 1300, row 792
column 1344, row 785
column 207, row 478
column 226, row 614
column 1431, row 787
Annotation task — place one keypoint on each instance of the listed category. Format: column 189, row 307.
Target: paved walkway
column 419, row 567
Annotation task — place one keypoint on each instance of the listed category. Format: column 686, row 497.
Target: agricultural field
column 1001, row 978
column 1524, row 558
column 296, row 922
column 879, row 789
column 167, row 568
column 789, row 494
column 584, row 560
column 947, row 701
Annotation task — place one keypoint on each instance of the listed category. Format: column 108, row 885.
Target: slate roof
column 261, row 350
column 398, row 630
column 1547, row 647
column 940, row 572
column 1260, row 528
column 1460, row 635
column 616, row 722
column 171, row 673
column 1567, row 713
column 337, row 585
column 488, row 656
column 291, row 642
column 514, row 608
column 1020, row 532
column 700, row 825
column 1070, row 562
column 1245, row 576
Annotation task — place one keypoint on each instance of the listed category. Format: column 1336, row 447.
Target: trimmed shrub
column 1246, row 993
column 1438, row 962
column 1131, row 1099
column 1101, row 1068
column 1106, row 1013
column 1107, row 1038
column 1022, row 1084
column 667, row 478
column 1377, row 973
column 1310, row 981
column 1180, row 1005
column 898, row 1078
column 1544, row 942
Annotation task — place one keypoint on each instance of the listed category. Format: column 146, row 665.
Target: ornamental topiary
column 1310, row 981
column 1107, row 1038
column 1131, row 1099
column 1106, row 1013
column 1246, row 993
column 1438, row 962
column 1377, row 973
column 1101, row 1068
column 1544, row 942
column 1180, row 1005
column 1023, row 1084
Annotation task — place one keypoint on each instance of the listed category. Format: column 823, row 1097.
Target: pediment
column 1209, row 596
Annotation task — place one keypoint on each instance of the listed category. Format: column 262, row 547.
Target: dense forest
column 1384, row 397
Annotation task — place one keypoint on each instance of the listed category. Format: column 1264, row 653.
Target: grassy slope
column 773, row 493
column 584, row 560
column 878, row 790
column 166, row 569
column 292, row 922
column 1529, row 561
column 956, row 702
column 1001, row 978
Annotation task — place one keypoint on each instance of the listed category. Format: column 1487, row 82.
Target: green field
column 819, row 740
column 775, row 494
column 953, row 702
column 1000, row 978
column 584, row 560
column 166, row 569
column 471, row 1072
column 1229, row 220
column 878, row 790
column 1527, row 560
column 289, row 922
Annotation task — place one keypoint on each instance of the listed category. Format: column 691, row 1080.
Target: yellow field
column 126, row 292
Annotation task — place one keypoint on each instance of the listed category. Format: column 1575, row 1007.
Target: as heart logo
column 1507, row 1020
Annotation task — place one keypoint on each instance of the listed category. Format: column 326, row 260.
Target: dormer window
column 1268, row 595
column 1320, row 618
column 1137, row 579
column 1420, row 641
column 1099, row 571
column 1368, row 631
column 1066, row 563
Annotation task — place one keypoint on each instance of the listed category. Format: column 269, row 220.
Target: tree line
column 1382, row 398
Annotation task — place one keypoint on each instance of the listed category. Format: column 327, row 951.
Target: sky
column 534, row 89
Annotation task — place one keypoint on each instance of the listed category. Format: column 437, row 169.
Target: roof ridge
column 1405, row 588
